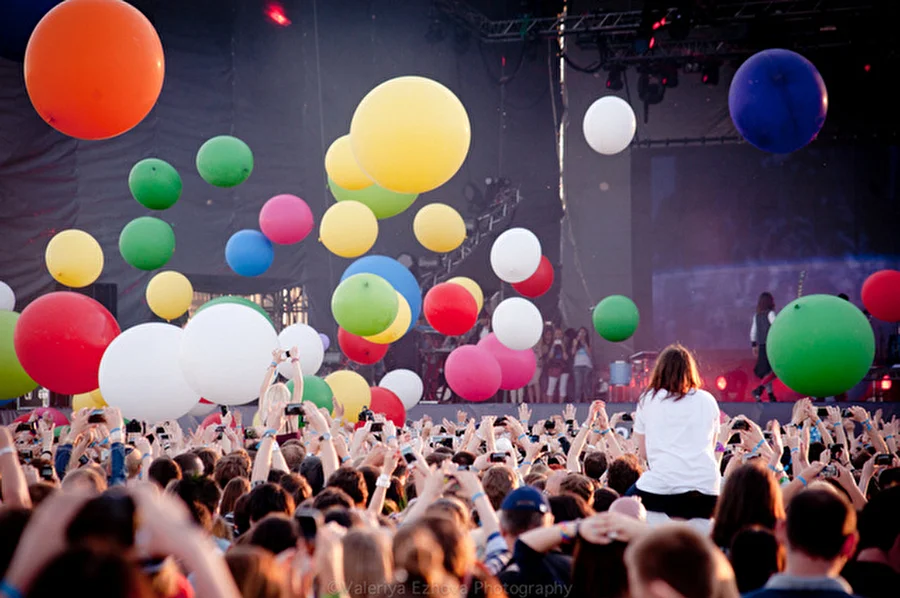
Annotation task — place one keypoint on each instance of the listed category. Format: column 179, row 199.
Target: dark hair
column 879, row 521
column 12, row 524
column 332, row 497
column 370, row 477
column 269, row 498
column 311, row 469
column 235, row 488
column 85, row 568
column 568, row 507
column 275, row 476
column 463, row 458
column 39, row 491
column 352, row 482
column 603, row 498
column 599, row 569
column 203, row 490
column 765, row 303
column 191, row 465
column 750, row 496
column 209, row 458
column 108, row 519
column 819, row 520
column 623, row 473
column 241, row 514
column 228, row 468
column 578, row 485
column 344, row 517
column 595, row 464
column 276, row 533
column 755, row 556
column 163, row 470
column 516, row 523
column 675, row 372
column 297, row 486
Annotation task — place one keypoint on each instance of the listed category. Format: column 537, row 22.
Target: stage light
column 867, row 68
column 722, row 383
column 276, row 14
column 650, row 88
column 886, row 383
column 645, row 36
column 614, row 81
column 709, row 72
column 669, row 75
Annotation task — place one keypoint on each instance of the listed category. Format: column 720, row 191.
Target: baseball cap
column 526, row 498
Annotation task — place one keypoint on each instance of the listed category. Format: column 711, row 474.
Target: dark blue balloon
column 778, row 101
column 397, row 275
column 249, row 253
column 18, row 18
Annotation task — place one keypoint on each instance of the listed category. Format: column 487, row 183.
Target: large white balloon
column 202, row 409
column 609, row 125
column 7, row 297
column 308, row 343
column 517, row 323
column 140, row 373
column 515, row 255
column 225, row 352
column 406, row 384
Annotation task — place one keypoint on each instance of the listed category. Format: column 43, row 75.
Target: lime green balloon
column 155, row 184
column 147, row 243
column 383, row 203
column 820, row 345
column 237, row 301
column 14, row 382
column 364, row 304
column 316, row 391
column 225, row 161
column 616, row 318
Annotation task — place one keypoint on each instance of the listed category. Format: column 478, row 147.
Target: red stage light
column 277, row 16
column 886, row 383
column 652, row 43
column 721, row 383
column 867, row 67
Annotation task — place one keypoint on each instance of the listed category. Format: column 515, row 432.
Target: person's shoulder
column 704, row 395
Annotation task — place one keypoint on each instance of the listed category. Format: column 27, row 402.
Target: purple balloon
column 326, row 342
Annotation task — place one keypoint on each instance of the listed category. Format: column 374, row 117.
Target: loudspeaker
column 107, row 293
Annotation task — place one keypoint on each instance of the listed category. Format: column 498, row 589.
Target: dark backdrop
column 288, row 92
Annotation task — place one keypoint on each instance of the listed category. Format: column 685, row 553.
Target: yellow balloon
column 341, row 166
column 169, row 294
column 473, row 288
column 397, row 328
column 74, row 258
column 348, row 229
column 88, row 400
column 410, row 134
column 439, row 227
column 351, row 390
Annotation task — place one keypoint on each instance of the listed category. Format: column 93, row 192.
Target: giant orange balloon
column 94, row 68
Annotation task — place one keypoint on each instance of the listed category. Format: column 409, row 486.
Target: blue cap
column 526, row 498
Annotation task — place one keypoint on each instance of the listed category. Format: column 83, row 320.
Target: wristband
column 758, row 444
column 274, row 364
column 345, row 459
column 795, row 450
column 389, row 438
column 325, row 437
column 524, row 435
column 147, row 456
column 7, row 451
column 295, row 359
column 585, row 425
column 606, row 431
column 775, row 469
column 270, row 433
column 9, row 590
column 868, row 424
column 802, row 480
column 114, row 430
column 889, row 436
column 570, row 422
column 526, row 463
column 478, row 495
column 569, row 537
column 46, row 452
column 720, row 448
column 383, row 481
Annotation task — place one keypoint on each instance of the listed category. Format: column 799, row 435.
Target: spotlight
column 669, row 75
column 275, row 12
column 886, row 383
column 709, row 72
column 614, row 80
column 650, row 88
column 651, row 22
column 722, row 383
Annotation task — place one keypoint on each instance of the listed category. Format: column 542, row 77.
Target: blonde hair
column 278, row 392
column 363, row 575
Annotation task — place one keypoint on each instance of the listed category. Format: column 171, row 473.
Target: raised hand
column 524, row 412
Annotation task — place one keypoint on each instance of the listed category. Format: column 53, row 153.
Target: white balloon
column 202, row 409
column 140, row 373
column 609, row 125
column 406, row 384
column 308, row 343
column 7, row 297
column 515, row 255
column 517, row 323
column 225, row 352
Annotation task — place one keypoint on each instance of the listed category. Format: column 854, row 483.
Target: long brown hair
column 766, row 303
column 750, row 496
column 675, row 372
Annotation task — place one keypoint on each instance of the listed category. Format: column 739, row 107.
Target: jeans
column 582, row 382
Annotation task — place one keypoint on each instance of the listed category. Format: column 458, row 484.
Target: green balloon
column 364, row 304
column 616, row 318
column 382, row 202
column 155, row 184
column 316, row 391
column 820, row 345
column 14, row 382
column 225, row 161
column 237, row 301
column 147, row 243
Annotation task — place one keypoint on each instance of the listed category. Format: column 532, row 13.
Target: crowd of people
column 690, row 504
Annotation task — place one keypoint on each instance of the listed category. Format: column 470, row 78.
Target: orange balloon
column 94, row 68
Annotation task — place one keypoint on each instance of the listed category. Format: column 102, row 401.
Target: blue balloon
column 249, row 253
column 778, row 101
column 397, row 275
column 18, row 18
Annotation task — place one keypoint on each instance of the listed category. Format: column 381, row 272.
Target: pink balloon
column 516, row 367
column 59, row 419
column 472, row 373
column 285, row 219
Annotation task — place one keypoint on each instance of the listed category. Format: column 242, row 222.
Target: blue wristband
column 388, row 439
column 477, row 495
column 606, row 431
column 10, row 591
column 758, row 444
column 114, row 430
column 524, row 435
column 803, row 480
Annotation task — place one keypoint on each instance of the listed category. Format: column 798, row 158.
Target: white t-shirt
column 680, row 437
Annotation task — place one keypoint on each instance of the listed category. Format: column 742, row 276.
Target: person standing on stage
column 759, row 332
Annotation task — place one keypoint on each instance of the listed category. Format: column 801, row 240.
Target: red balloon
column 360, row 350
column 450, row 309
column 58, row 417
column 516, row 367
column 881, row 295
column 60, row 339
column 387, row 403
column 538, row 283
column 215, row 419
column 205, row 402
